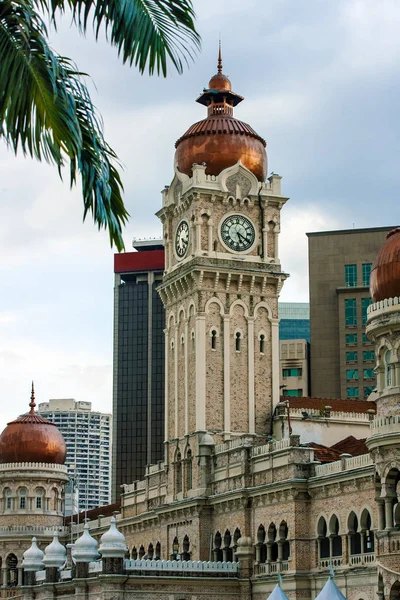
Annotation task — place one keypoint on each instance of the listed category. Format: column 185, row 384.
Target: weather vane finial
column 219, row 56
column 32, row 403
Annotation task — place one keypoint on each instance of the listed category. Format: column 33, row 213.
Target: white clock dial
column 238, row 233
column 182, row 239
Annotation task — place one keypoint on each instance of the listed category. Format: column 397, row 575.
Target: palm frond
column 46, row 111
column 146, row 32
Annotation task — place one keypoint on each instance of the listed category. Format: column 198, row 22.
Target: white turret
column 113, row 543
column 33, row 558
column 85, row 547
column 55, row 554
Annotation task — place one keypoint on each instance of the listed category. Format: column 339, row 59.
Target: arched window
column 388, row 368
column 134, row 553
column 213, row 339
column 218, row 555
column 141, row 551
column 22, row 498
column 175, row 548
column 227, row 552
column 395, row 591
column 189, row 470
column 262, row 547
column 12, row 570
column 272, row 542
column 39, row 498
column 55, row 499
column 237, row 341
column 157, row 555
column 236, row 535
column 262, row 343
column 322, row 529
column 365, row 522
column 283, row 534
column 178, row 472
column 7, row 499
column 150, row 551
column 336, row 538
column 355, row 537
column 186, row 548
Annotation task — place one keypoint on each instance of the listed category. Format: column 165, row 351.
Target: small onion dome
column 31, row 438
column 385, row 272
column 278, row 594
column 112, row 544
column 55, row 554
column 85, row 547
column 32, row 559
column 206, row 440
column 220, row 82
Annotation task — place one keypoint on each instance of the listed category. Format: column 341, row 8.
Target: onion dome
column 55, row 554
column 112, row 544
column 32, row 559
column 85, row 547
column 385, row 272
column 220, row 140
column 31, row 438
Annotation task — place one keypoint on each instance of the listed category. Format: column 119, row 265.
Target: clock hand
column 241, row 236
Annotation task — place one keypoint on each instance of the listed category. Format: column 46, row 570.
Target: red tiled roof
column 105, row 511
column 351, row 445
column 323, row 453
column 336, row 404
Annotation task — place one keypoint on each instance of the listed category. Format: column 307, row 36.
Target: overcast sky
column 321, row 80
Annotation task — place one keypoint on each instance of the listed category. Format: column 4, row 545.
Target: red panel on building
column 146, row 260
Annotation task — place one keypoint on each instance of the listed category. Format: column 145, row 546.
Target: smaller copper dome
column 220, row 82
column 385, row 272
column 31, row 438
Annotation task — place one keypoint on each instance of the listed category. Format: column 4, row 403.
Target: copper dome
column 220, row 82
column 220, row 140
column 385, row 273
column 31, row 438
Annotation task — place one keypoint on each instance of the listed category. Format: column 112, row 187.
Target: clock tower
column 221, row 224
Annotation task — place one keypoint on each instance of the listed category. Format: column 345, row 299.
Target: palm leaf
column 145, row 32
column 46, row 111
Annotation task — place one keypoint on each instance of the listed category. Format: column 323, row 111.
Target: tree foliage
column 45, row 107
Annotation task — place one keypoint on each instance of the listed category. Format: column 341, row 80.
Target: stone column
column 258, row 552
column 227, row 377
column 318, row 549
column 280, row 553
column 349, row 548
column 362, row 539
column 330, row 546
column 52, row 574
column 210, row 235
column 20, row 576
column 381, row 514
column 389, row 513
column 269, row 553
column 200, row 372
column 186, row 382
column 82, row 570
column 5, row 576
column 250, row 356
column 113, row 565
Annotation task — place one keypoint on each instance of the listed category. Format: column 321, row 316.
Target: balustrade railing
column 182, row 567
column 271, row 568
column 362, row 559
column 335, row 561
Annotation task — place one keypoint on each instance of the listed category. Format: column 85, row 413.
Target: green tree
column 45, row 107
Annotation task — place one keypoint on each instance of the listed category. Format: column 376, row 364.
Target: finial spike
column 219, row 66
column 32, row 403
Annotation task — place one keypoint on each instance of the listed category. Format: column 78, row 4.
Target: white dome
column 55, row 553
column 32, row 559
column 112, row 543
column 330, row 591
column 278, row 594
column 85, row 547
column 207, row 440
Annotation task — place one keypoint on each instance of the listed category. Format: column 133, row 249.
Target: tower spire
column 32, row 403
column 219, row 66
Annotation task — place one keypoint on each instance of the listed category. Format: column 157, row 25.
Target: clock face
column 182, row 239
column 238, row 233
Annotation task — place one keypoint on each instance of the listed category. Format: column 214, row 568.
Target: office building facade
column 138, row 388
column 88, row 437
column 294, row 367
column 294, row 321
column 342, row 358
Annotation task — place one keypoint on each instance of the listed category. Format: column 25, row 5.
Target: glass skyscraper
column 294, row 321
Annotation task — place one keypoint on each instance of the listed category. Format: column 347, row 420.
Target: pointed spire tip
column 32, row 403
